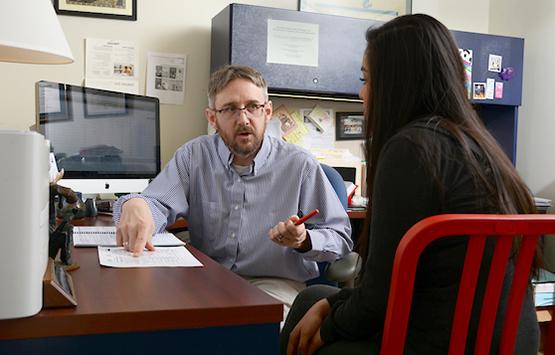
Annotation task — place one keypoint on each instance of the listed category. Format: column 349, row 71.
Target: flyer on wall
column 111, row 65
column 166, row 77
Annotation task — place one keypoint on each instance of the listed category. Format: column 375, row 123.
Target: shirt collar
column 226, row 156
column 263, row 154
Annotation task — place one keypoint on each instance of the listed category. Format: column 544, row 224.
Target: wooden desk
column 207, row 310
column 358, row 214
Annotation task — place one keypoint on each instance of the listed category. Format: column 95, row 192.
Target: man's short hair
column 226, row 74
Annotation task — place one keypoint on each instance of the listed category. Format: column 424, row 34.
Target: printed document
column 294, row 43
column 162, row 257
column 106, row 236
column 165, row 77
column 112, row 65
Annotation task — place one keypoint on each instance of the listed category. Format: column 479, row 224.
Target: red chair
column 504, row 228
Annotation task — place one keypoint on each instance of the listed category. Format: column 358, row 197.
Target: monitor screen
column 105, row 141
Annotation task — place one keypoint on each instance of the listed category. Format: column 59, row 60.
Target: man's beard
column 242, row 150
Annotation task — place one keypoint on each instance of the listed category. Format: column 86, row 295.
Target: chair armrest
column 345, row 270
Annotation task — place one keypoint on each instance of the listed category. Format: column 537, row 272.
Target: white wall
column 177, row 26
column 536, row 142
column 470, row 15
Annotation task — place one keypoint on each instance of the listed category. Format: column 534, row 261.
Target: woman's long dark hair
column 415, row 71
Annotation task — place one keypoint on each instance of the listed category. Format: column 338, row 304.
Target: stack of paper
column 544, row 294
column 544, row 288
column 542, row 202
column 173, row 254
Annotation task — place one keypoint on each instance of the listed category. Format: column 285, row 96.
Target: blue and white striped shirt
column 231, row 213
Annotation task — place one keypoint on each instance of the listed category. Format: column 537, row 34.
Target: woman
column 429, row 154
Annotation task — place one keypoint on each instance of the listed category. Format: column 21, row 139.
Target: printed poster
column 111, row 65
column 165, row 77
column 294, row 43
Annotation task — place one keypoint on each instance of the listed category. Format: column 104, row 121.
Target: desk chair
column 341, row 272
column 504, row 229
column 337, row 182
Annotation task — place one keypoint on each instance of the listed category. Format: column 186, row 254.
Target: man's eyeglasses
column 252, row 110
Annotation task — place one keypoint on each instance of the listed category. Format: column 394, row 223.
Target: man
column 242, row 192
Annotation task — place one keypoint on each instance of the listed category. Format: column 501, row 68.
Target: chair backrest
column 336, row 181
column 478, row 227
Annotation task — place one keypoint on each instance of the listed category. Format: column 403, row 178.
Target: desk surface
column 356, row 214
column 114, row 300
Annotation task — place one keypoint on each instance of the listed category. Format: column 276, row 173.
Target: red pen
column 307, row 216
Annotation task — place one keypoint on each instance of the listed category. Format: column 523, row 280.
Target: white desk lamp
column 29, row 33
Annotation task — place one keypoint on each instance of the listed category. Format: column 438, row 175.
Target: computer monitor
column 106, row 141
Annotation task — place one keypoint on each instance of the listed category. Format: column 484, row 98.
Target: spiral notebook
column 106, row 237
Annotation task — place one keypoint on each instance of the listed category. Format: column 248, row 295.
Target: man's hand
column 305, row 338
column 135, row 227
column 287, row 234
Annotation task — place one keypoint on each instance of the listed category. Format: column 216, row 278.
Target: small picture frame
column 479, row 91
column 113, row 9
column 349, row 126
column 57, row 287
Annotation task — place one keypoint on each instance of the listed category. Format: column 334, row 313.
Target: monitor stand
column 105, row 205
column 91, row 209
column 101, row 202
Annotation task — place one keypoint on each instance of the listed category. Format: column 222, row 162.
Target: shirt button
column 232, row 235
column 236, row 207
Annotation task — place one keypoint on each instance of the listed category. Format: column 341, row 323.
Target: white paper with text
column 162, row 257
column 112, row 64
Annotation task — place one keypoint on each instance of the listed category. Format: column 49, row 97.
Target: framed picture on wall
column 113, row 9
column 349, row 126
column 380, row 10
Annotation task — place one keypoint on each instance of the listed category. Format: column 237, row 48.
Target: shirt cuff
column 319, row 251
column 160, row 221
column 119, row 204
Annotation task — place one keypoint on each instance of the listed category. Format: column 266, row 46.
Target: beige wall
column 536, row 143
column 178, row 26
column 471, row 15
